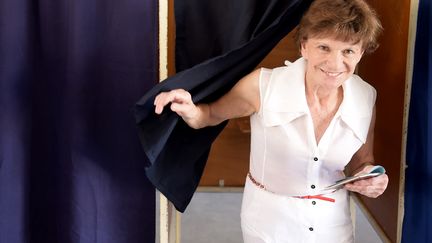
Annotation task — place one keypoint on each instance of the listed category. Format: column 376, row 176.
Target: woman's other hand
column 372, row 187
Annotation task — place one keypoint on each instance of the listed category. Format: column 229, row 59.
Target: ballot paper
column 375, row 171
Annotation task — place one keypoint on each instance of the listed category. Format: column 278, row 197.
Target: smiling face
column 330, row 61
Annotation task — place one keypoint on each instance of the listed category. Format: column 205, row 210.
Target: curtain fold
column 418, row 193
column 218, row 43
column 71, row 165
column 16, row 72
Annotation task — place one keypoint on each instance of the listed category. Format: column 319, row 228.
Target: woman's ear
column 303, row 50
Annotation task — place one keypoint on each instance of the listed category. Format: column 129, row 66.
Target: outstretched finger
column 160, row 102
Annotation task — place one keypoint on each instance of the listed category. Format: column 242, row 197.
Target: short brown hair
column 347, row 20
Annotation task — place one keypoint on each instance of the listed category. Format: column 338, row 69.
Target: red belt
column 261, row 186
column 320, row 197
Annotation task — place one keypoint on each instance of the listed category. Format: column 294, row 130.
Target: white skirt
column 271, row 218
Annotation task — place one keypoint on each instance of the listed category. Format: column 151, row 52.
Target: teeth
column 332, row 74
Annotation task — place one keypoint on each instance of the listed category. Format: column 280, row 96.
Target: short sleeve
column 264, row 80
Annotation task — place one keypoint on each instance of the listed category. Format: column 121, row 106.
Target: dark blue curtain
column 418, row 191
column 71, row 165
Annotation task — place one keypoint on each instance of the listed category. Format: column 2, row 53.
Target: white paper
column 375, row 171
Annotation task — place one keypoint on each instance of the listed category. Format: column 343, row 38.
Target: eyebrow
column 351, row 46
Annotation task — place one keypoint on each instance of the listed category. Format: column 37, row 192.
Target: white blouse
column 285, row 157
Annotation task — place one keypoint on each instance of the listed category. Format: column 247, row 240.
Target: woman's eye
column 323, row 48
column 348, row 51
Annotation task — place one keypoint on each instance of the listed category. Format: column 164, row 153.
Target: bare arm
column 364, row 156
column 361, row 162
column 242, row 100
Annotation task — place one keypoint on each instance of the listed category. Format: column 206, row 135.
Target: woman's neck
column 323, row 97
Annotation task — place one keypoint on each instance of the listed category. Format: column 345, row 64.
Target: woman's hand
column 372, row 187
column 181, row 103
column 242, row 100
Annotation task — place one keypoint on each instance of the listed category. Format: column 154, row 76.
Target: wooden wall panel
column 386, row 71
column 228, row 162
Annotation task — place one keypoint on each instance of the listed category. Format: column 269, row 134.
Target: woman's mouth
column 331, row 74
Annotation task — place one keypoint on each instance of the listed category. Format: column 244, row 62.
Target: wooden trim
column 171, row 38
column 414, row 4
column 353, row 214
column 168, row 221
column 163, row 39
column 169, row 218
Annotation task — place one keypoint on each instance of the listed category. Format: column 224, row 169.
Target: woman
column 311, row 121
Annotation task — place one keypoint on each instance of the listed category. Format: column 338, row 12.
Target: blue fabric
column 418, row 191
column 71, row 164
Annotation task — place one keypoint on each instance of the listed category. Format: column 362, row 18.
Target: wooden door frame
column 412, row 31
column 169, row 217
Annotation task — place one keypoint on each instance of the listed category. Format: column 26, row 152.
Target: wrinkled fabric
column 177, row 152
column 71, row 165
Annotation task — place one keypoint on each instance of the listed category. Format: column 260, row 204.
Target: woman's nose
column 335, row 61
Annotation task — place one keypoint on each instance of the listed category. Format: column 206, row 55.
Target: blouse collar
column 285, row 99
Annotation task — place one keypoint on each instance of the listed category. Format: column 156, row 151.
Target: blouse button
column 311, row 229
column 313, row 186
column 315, row 159
column 313, row 202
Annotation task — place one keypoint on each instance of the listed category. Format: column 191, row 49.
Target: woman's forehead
column 335, row 40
